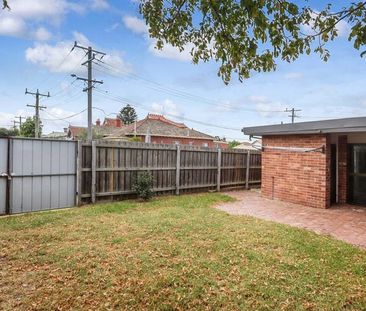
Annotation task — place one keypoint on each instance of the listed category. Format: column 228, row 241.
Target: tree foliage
column 233, row 144
column 250, row 35
column 28, row 128
column 4, row 132
column 128, row 115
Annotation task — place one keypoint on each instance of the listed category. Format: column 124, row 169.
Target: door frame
column 334, row 173
column 349, row 174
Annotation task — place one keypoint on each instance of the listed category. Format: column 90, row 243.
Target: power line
column 64, row 118
column 20, row 118
column 91, row 56
column 57, row 66
column 172, row 91
column 127, row 101
column 293, row 114
column 37, row 109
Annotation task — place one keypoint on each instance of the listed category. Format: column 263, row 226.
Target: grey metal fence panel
column 3, row 171
column 43, row 175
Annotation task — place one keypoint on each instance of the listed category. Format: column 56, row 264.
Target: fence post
column 8, row 175
column 177, row 173
column 93, row 170
column 247, row 171
column 218, row 169
column 79, row 171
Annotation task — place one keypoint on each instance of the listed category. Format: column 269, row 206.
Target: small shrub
column 144, row 185
column 135, row 139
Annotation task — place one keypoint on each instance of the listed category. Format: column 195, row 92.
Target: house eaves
column 346, row 125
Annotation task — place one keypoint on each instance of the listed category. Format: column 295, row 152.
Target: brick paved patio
column 344, row 222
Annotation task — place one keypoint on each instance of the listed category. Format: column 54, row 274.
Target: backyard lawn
column 174, row 253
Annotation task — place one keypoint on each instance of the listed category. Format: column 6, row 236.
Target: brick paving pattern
column 343, row 222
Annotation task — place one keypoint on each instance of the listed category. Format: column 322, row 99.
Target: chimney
column 118, row 122
column 97, row 122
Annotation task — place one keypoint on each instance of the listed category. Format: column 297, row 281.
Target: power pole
column 91, row 56
column 37, row 109
column 20, row 118
column 293, row 114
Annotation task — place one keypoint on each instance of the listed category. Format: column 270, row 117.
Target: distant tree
column 28, row 128
column 8, row 132
column 233, row 144
column 128, row 115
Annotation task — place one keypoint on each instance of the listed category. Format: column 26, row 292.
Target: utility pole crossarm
column 91, row 53
column 86, row 49
column 293, row 114
column 37, row 109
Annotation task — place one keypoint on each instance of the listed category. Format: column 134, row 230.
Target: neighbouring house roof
column 346, row 125
column 105, row 129
column 157, row 125
column 249, row 145
column 76, row 131
column 112, row 122
column 55, row 135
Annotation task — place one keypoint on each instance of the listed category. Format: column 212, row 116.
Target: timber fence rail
column 107, row 170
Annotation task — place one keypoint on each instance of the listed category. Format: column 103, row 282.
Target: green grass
column 174, row 253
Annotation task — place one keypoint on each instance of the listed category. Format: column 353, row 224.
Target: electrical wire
column 64, row 118
column 127, row 101
column 172, row 91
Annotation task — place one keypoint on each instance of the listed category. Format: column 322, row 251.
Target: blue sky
column 36, row 36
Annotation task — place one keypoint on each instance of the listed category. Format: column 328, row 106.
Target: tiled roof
column 157, row 125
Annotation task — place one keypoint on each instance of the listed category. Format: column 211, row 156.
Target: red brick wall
column 297, row 177
column 342, row 169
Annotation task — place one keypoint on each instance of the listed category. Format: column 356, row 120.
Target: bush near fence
column 107, row 170
column 43, row 174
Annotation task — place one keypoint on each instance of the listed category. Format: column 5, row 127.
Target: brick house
column 100, row 129
column 160, row 130
column 314, row 163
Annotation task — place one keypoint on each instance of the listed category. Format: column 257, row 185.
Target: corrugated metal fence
column 36, row 175
column 108, row 170
column 39, row 174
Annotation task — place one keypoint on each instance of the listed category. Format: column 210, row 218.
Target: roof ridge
column 155, row 116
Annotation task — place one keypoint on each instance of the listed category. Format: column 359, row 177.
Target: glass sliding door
column 357, row 174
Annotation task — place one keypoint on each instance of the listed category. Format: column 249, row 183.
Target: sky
column 35, row 42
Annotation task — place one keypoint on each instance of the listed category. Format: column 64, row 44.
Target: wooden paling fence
column 107, row 170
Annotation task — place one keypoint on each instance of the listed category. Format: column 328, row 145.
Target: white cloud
column 342, row 27
column 135, row 24
column 81, row 38
column 99, row 5
column 42, row 34
column 171, row 52
column 6, row 119
column 293, row 75
column 266, row 107
column 138, row 26
column 11, row 26
column 56, row 58
column 167, row 107
column 27, row 19
column 39, row 9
